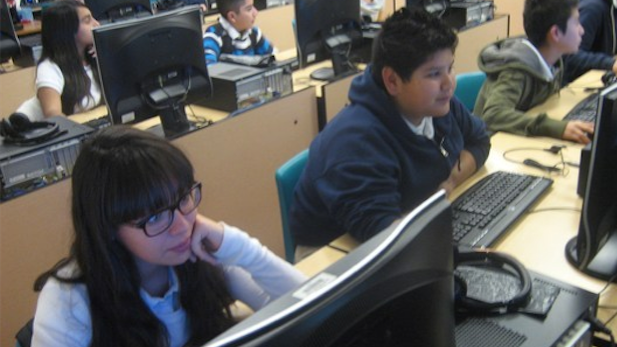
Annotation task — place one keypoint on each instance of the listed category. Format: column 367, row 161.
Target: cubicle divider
column 15, row 87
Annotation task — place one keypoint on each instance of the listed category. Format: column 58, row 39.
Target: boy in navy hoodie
column 403, row 137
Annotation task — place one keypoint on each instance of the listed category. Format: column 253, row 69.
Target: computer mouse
column 609, row 78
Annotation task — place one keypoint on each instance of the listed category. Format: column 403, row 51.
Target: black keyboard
column 486, row 210
column 31, row 40
column 585, row 110
column 99, row 123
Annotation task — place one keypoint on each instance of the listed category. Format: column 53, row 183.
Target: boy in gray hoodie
column 524, row 72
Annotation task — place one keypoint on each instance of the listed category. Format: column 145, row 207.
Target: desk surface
column 193, row 112
column 29, row 28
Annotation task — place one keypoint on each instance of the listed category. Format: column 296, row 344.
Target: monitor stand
column 604, row 263
column 323, row 74
column 160, row 132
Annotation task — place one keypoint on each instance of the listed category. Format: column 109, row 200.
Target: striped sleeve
column 263, row 46
column 212, row 45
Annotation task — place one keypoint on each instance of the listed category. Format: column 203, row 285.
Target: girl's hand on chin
column 206, row 239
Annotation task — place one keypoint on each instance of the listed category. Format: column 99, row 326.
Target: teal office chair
column 286, row 178
column 468, row 86
column 24, row 335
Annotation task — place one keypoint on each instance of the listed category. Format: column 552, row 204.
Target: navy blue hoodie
column 367, row 168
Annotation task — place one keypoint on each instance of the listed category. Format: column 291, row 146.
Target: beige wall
column 276, row 24
column 515, row 9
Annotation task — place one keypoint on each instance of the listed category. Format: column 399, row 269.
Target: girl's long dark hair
column 120, row 175
column 60, row 23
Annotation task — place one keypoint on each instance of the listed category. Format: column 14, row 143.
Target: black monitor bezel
column 594, row 250
column 124, row 70
column 7, row 29
column 317, row 21
column 418, row 251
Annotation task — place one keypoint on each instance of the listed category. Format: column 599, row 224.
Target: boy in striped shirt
column 235, row 33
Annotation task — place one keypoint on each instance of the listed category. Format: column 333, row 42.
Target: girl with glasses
column 145, row 268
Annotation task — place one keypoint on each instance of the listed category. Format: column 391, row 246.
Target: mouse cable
column 560, row 167
column 598, row 326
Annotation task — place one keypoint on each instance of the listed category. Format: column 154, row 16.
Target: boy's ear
column 231, row 16
column 554, row 33
column 391, row 80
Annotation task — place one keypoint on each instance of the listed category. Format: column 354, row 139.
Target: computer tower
column 236, row 86
column 26, row 168
column 564, row 325
column 468, row 13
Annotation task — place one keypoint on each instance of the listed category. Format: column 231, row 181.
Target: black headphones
column 486, row 259
column 19, row 130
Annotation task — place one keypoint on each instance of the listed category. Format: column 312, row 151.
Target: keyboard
column 99, row 123
column 585, row 110
column 31, row 40
column 487, row 210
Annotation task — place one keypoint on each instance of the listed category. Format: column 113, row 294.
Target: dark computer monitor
column 9, row 42
column 260, row 4
column 594, row 249
column 437, row 7
column 396, row 289
column 327, row 29
column 107, row 11
column 153, row 66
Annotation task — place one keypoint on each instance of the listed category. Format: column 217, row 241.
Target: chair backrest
column 286, row 178
column 468, row 86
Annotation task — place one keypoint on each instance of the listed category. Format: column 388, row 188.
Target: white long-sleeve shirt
column 254, row 276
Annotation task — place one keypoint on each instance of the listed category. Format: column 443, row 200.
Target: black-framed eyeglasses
column 158, row 222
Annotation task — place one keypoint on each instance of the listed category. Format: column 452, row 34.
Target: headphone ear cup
column 3, row 127
column 496, row 260
column 8, row 131
column 20, row 122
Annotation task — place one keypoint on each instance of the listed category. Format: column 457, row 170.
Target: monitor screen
column 594, row 250
column 327, row 29
column 396, row 289
column 153, row 66
column 106, row 11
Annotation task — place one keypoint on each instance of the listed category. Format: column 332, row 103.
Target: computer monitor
column 9, row 42
column 437, row 7
column 153, row 66
column 327, row 29
column 260, row 4
column 594, row 249
column 396, row 289
column 107, row 11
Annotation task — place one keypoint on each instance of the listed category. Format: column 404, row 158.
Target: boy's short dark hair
column 225, row 6
column 540, row 15
column 408, row 38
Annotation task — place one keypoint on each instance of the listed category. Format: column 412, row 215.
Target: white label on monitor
column 128, row 117
column 313, row 285
column 311, row 58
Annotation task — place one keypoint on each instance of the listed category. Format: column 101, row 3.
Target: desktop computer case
column 564, row 325
column 235, row 86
